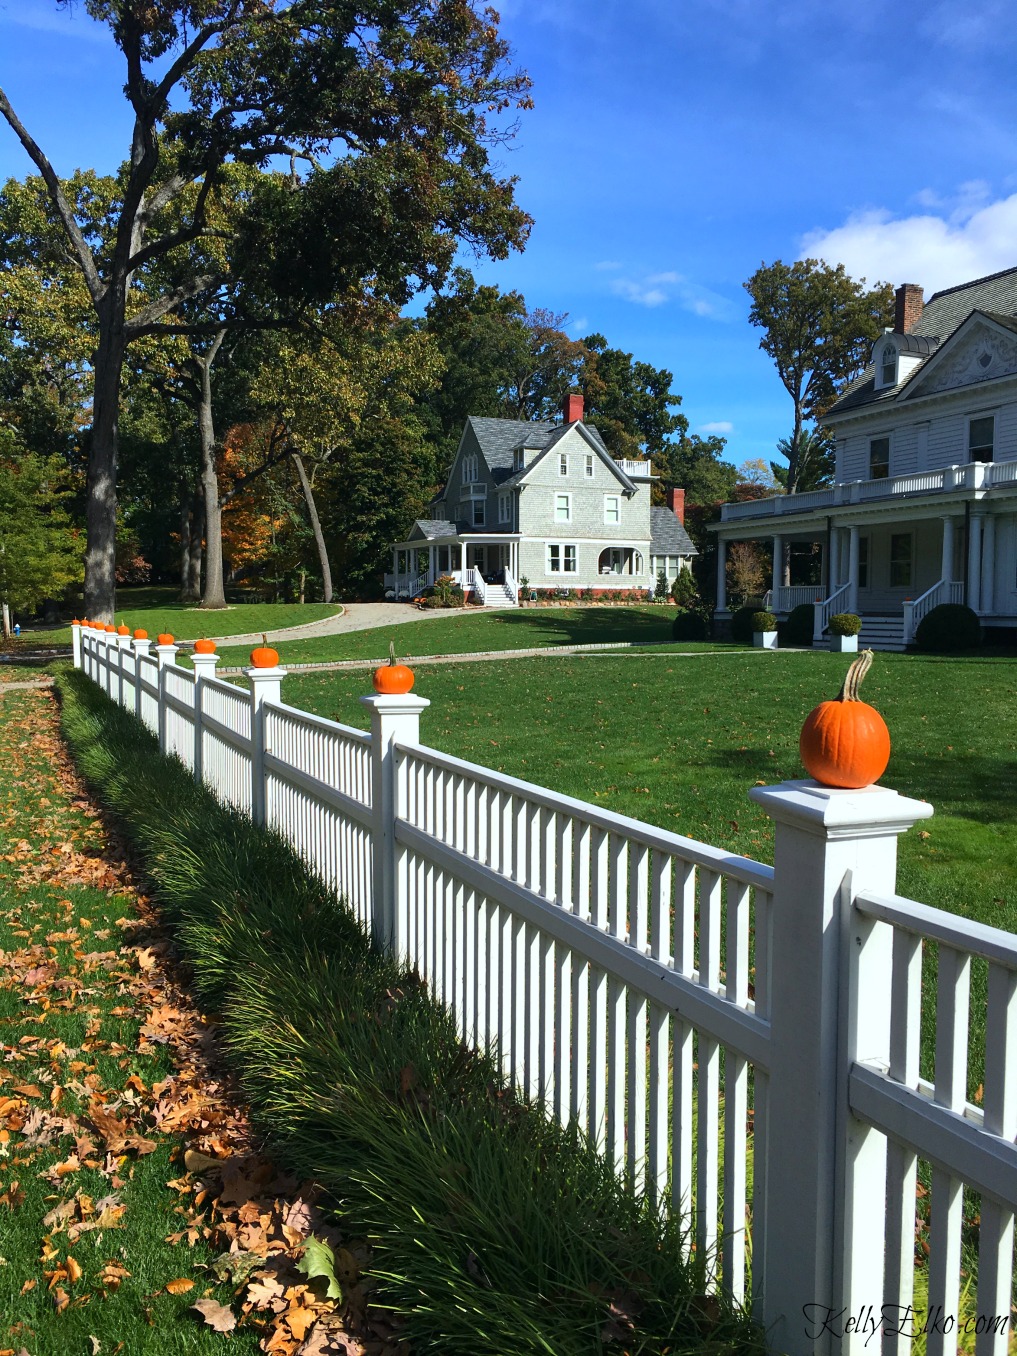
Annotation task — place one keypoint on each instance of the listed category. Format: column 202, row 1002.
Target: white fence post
column 825, row 1172
column 266, row 686
column 123, row 639
column 166, row 655
column 204, row 667
column 394, row 719
column 142, row 645
column 76, row 642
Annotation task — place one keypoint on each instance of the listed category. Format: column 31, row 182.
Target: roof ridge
column 975, row 282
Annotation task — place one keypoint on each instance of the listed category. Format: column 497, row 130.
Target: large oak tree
column 391, row 105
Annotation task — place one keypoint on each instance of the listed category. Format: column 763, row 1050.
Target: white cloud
column 966, row 238
column 579, row 325
column 655, row 289
column 718, row 426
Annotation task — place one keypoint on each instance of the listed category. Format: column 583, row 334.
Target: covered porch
column 485, row 566
column 891, row 572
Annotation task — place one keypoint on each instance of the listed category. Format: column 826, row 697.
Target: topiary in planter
column 797, row 630
column 845, row 624
column 763, row 621
column 950, row 626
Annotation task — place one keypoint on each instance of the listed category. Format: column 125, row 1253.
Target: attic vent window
column 984, row 360
column 889, row 369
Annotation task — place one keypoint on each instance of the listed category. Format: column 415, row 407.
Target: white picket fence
column 741, row 1041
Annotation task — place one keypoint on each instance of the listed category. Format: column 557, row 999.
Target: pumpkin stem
column 853, row 680
column 264, row 638
column 391, row 652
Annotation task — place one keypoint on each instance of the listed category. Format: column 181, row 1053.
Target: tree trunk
column 5, row 613
column 101, row 490
column 190, row 536
column 319, row 538
column 303, row 586
column 215, row 593
column 197, row 538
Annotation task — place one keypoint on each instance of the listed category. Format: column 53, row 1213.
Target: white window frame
column 560, row 495
column 566, row 564
column 479, row 512
column 504, row 509
column 880, row 438
column 563, row 463
column 974, row 419
column 590, row 461
column 615, row 501
column 888, row 359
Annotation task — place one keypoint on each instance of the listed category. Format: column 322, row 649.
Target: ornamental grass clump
column 492, row 1229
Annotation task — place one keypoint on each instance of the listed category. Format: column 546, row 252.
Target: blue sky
column 675, row 146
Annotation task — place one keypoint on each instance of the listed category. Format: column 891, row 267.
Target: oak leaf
column 219, row 1317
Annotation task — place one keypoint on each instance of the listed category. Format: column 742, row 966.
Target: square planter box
column 764, row 640
column 844, row 644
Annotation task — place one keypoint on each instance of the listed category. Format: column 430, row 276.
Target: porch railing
column 827, row 608
column 786, row 597
column 741, row 1041
column 943, row 591
column 473, row 582
column 512, row 585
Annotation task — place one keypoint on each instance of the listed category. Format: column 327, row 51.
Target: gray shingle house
column 924, row 506
column 544, row 502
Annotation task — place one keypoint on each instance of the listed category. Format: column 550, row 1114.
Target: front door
column 476, row 558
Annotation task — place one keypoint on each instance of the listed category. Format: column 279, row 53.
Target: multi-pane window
column 479, row 513
column 863, row 562
column 900, row 560
column 470, row 467
column 563, row 464
column 981, row 436
column 561, row 558
column 879, row 458
column 589, row 466
column 889, row 366
column 504, row 510
column 612, row 508
column 562, row 508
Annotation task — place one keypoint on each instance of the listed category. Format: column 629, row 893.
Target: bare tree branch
column 83, row 256
column 140, row 323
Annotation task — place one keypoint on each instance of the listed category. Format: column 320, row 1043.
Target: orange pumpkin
column 75, row 622
column 263, row 656
column 390, row 679
column 845, row 742
column 204, row 646
column 141, row 635
column 123, row 630
column 109, row 628
column 164, row 639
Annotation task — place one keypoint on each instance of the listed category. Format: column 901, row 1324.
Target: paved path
column 354, row 617
column 32, row 682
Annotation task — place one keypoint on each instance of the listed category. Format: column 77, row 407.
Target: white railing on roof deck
column 708, row 1021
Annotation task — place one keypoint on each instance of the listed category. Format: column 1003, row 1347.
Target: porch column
column 721, row 574
column 430, row 565
column 462, row 564
column 833, row 566
column 778, row 565
column 975, row 562
column 989, row 562
column 853, row 541
column 946, row 568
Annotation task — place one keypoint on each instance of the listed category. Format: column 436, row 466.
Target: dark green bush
column 690, row 624
column 950, row 626
column 741, row 621
column 845, row 624
column 444, row 592
column 763, row 621
column 797, row 630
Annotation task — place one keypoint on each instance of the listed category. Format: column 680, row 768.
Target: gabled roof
column 944, row 313
column 592, row 436
column 667, row 536
column 429, row 529
column 499, row 438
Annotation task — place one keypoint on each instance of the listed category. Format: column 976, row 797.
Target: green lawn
column 155, row 610
column 678, row 742
column 472, row 632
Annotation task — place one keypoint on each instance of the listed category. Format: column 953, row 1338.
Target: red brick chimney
column 676, row 503
column 572, row 407
column 908, row 308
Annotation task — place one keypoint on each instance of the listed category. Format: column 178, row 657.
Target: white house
column 547, row 503
column 924, row 506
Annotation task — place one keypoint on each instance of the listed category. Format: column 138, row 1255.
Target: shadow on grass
column 587, row 626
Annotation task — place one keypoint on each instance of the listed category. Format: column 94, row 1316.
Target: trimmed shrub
column 690, row 624
column 950, row 626
column 797, row 630
column 684, row 591
column 763, row 621
column 845, row 624
column 444, row 592
column 741, row 621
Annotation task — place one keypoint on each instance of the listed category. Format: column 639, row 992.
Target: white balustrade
column 707, row 1021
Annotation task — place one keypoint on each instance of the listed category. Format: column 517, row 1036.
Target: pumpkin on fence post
column 140, row 635
column 263, row 656
column 845, row 742
column 204, row 646
column 391, row 679
column 164, row 639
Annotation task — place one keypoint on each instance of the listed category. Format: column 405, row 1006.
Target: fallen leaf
column 219, row 1317
column 180, row 1286
column 319, row 1260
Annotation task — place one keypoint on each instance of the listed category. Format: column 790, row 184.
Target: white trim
column 970, row 419
column 567, row 496
column 616, row 499
column 561, row 547
column 563, row 464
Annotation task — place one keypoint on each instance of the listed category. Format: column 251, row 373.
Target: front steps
column 497, row 595
column 880, row 633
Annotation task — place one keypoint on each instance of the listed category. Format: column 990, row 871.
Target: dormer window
column 518, row 459
column 888, row 366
